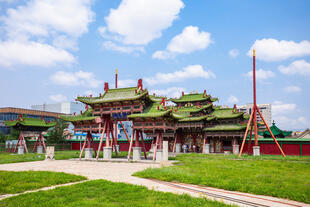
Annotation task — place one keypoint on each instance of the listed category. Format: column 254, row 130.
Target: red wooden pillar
column 137, row 138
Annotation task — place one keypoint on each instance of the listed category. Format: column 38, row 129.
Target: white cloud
column 279, row 108
column 301, row 67
column 32, row 54
column 191, row 71
column 31, row 27
column 58, row 97
column 126, row 83
column 261, row 74
column 163, row 55
column 80, row 78
column 233, row 99
column 292, row 89
column 169, row 92
column 190, row 40
column 65, row 42
column 275, row 50
column 139, row 22
column 124, row 49
column 289, row 123
column 44, row 17
column 233, row 53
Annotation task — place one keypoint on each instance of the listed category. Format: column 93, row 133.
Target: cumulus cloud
column 58, row 97
column 300, row 67
column 80, row 78
column 191, row 71
column 31, row 28
column 261, row 74
column 139, row 22
column 275, row 50
column 279, row 108
column 190, row 40
column 126, row 83
column 108, row 45
column 233, row 53
column 172, row 92
column 233, row 99
column 292, row 89
column 33, row 54
column 289, row 123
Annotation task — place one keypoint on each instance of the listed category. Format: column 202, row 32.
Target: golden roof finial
column 116, row 71
column 253, row 52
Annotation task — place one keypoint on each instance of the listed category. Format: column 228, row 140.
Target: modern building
column 10, row 113
column 63, row 107
column 264, row 108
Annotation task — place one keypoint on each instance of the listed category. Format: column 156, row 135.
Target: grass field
column 59, row 155
column 105, row 193
column 17, row 182
column 266, row 175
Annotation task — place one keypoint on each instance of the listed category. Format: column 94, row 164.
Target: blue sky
column 53, row 50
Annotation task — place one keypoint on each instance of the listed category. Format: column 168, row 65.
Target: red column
column 137, row 138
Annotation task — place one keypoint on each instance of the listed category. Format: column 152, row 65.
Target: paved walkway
column 121, row 172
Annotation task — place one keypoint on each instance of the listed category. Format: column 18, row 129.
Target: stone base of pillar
column 50, row 153
column 236, row 149
column 20, row 150
column 256, row 151
column 159, row 155
column 165, row 151
column 39, row 149
column 207, row 149
column 107, row 153
column 117, row 148
column 136, row 153
column 88, row 153
column 212, row 146
column 177, row 147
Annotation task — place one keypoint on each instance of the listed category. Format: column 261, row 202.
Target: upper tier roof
column 154, row 110
column 114, row 95
column 193, row 98
column 30, row 122
column 226, row 113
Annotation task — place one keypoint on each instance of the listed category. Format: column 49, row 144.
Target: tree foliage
column 56, row 134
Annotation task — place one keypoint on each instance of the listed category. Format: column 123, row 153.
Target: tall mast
column 254, row 101
column 116, row 78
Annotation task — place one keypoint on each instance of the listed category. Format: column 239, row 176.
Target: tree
column 56, row 134
column 2, row 137
column 14, row 134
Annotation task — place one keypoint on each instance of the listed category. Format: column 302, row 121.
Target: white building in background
column 265, row 109
column 64, row 107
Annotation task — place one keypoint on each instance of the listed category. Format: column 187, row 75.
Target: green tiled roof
column 85, row 116
column 185, row 112
column 226, row 127
column 191, row 98
column 223, row 113
column 30, row 122
column 152, row 111
column 118, row 94
column 276, row 132
column 156, row 98
column 196, row 118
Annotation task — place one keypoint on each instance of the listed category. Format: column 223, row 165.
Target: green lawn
column 59, row 155
column 266, row 175
column 17, row 182
column 104, row 193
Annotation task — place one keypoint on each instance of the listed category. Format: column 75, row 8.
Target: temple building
column 193, row 121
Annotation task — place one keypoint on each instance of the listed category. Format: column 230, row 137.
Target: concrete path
column 121, row 172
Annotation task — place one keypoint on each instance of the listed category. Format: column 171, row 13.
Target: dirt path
column 121, row 172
